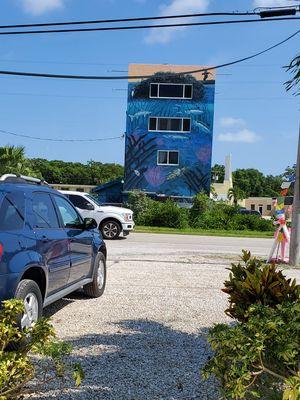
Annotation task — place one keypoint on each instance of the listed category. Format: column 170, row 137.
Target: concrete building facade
column 169, row 130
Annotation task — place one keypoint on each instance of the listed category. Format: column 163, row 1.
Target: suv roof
column 73, row 192
column 26, row 183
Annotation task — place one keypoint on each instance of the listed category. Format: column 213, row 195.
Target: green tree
column 218, row 173
column 14, row 161
column 250, row 181
column 294, row 68
column 235, row 194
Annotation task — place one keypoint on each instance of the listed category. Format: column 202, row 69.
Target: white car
column 111, row 220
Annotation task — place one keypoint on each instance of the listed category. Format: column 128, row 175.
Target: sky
column 255, row 120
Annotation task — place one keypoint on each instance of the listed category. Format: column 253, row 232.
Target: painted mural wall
column 192, row 175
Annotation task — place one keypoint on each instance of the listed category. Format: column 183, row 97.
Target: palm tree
column 235, row 194
column 294, row 68
column 14, row 161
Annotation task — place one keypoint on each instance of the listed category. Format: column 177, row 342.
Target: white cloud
column 164, row 35
column 39, row 7
column 272, row 3
column 230, row 121
column 242, row 136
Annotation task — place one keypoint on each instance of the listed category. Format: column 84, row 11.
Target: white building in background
column 221, row 189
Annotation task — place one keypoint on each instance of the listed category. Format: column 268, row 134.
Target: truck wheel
column 30, row 293
column 97, row 286
column 110, row 230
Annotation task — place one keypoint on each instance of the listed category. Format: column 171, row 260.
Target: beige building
column 77, row 188
column 261, row 204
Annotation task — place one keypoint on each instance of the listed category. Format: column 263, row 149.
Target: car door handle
column 44, row 239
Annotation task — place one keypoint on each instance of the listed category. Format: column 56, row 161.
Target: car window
column 69, row 215
column 80, row 202
column 43, row 211
column 12, row 212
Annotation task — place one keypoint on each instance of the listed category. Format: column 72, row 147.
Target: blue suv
column 46, row 249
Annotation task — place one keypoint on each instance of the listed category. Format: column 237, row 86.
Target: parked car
column 249, row 212
column 47, row 250
column 111, row 220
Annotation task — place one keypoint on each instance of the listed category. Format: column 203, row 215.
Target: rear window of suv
column 12, row 211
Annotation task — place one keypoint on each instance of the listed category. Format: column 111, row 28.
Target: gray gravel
column 145, row 338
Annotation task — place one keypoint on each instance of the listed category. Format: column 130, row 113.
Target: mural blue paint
column 192, row 174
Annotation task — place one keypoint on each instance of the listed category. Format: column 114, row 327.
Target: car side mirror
column 90, row 223
column 89, row 207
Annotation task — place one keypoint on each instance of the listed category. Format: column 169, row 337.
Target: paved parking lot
column 146, row 337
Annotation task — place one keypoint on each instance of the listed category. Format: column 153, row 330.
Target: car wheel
column 97, row 286
column 30, row 293
column 110, row 230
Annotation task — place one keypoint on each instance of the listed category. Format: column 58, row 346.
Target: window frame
column 59, row 213
column 4, row 196
column 168, row 157
column 159, row 130
column 171, row 84
column 83, row 198
column 55, row 211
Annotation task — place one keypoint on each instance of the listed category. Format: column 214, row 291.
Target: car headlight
column 127, row 217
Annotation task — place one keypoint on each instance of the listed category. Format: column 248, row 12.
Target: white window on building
column 167, row 157
column 158, row 124
column 171, row 91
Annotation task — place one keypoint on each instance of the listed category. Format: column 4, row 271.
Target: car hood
column 115, row 210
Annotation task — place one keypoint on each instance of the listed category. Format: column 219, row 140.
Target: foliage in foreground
column 204, row 214
column 253, row 282
column 259, row 356
column 19, row 348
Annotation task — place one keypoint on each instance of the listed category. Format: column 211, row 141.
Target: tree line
column 14, row 160
column 247, row 182
column 251, row 182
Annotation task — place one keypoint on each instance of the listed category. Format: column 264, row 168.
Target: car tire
column 30, row 293
column 97, row 286
column 110, row 230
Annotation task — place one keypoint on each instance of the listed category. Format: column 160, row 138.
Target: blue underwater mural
column 192, row 174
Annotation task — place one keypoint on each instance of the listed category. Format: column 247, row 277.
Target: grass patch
column 204, row 232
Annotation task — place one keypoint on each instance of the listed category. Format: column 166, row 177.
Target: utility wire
column 126, row 77
column 59, row 140
column 109, row 21
column 131, row 27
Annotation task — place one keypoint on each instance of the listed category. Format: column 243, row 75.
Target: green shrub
column 18, row 347
column 167, row 214
column 259, row 358
column 201, row 204
column 140, row 204
column 253, row 282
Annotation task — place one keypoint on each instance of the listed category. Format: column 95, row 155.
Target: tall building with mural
column 169, row 130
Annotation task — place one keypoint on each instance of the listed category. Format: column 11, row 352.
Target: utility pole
column 295, row 235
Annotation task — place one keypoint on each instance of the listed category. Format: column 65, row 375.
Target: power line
column 60, row 140
column 131, row 27
column 138, row 19
column 126, row 77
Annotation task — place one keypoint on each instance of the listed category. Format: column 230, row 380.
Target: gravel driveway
column 146, row 337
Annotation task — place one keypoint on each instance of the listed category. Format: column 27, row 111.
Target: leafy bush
column 201, row 204
column 167, row 214
column 253, row 282
column 260, row 358
column 18, row 347
column 140, row 204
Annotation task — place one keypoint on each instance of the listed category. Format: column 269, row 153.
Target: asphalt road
column 137, row 244
column 146, row 337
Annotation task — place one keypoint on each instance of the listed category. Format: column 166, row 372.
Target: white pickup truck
column 111, row 220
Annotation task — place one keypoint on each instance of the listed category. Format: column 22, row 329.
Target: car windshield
column 93, row 199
